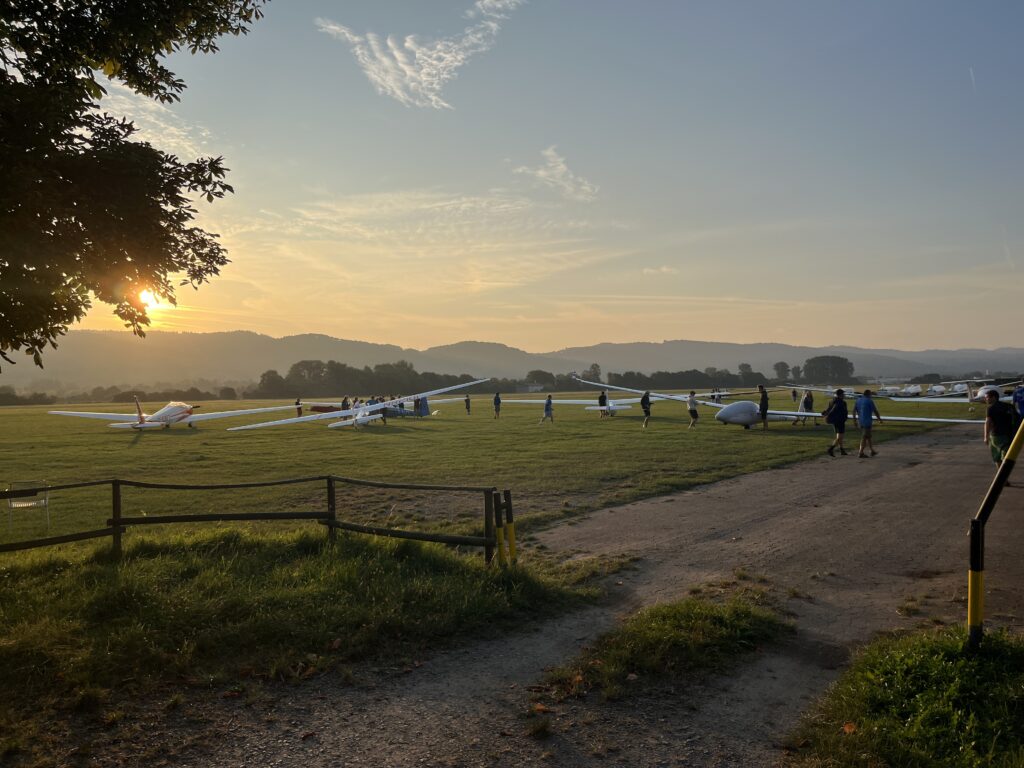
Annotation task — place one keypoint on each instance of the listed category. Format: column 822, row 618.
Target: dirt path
column 854, row 547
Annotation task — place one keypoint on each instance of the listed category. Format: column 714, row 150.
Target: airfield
column 578, row 463
column 849, row 547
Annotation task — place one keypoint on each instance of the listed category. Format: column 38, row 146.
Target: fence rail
column 498, row 525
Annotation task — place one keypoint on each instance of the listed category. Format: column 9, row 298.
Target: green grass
column 222, row 607
column 922, row 701
column 581, row 462
column 665, row 642
column 211, row 603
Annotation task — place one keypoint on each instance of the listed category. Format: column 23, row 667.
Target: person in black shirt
column 836, row 414
column 602, row 403
column 467, row 405
column 763, row 406
column 998, row 426
column 645, row 403
column 497, row 405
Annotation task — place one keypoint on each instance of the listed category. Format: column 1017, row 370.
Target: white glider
column 354, row 417
column 746, row 413
column 172, row 413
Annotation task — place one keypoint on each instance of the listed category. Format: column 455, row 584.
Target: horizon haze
column 87, row 359
column 550, row 175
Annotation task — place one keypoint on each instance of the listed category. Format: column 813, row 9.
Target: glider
column 172, row 413
column 362, row 414
column 746, row 413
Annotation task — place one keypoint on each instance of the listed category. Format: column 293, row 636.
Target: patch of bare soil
column 853, row 547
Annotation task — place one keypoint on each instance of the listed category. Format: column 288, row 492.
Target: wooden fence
column 498, row 520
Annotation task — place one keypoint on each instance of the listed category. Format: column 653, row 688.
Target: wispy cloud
column 156, row 123
column 555, row 173
column 664, row 269
column 414, row 72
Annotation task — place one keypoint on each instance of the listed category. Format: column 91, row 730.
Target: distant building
column 529, row 387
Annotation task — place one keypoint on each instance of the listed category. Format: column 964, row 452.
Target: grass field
column 580, row 462
column 210, row 603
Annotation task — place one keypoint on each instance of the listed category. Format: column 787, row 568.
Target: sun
column 149, row 299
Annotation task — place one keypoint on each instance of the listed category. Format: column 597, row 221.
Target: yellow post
column 510, row 526
column 499, row 529
column 976, row 574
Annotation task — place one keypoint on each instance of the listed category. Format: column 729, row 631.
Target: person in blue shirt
column 1018, row 399
column 866, row 409
column 549, row 411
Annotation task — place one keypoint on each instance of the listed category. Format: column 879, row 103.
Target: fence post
column 115, row 487
column 332, row 511
column 499, row 528
column 488, row 526
column 510, row 526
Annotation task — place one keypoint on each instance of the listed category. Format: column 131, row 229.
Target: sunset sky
column 552, row 173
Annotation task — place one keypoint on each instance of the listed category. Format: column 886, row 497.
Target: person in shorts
column 645, row 404
column 691, row 406
column 763, row 406
column 998, row 426
column 549, row 411
column 836, row 414
column 866, row 409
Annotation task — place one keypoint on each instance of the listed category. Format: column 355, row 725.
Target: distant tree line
column 316, row 378
column 9, row 397
column 190, row 395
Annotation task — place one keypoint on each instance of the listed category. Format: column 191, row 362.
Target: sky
column 555, row 173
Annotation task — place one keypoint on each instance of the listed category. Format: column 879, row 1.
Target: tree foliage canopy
column 828, row 369
column 85, row 211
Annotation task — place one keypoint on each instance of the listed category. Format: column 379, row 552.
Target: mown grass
column 580, row 462
column 208, row 603
column 666, row 642
column 206, row 610
column 922, row 701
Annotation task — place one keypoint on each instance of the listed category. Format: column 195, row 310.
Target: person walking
column 549, row 411
column 691, row 406
column 602, row 404
column 836, row 414
column 1018, row 400
column 645, row 404
column 866, row 409
column 763, row 407
column 998, row 426
column 467, row 405
column 807, row 407
column 794, row 395
column 497, row 405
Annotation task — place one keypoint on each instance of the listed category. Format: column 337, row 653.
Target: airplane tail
column 138, row 409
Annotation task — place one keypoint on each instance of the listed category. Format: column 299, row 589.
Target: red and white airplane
column 360, row 415
column 172, row 413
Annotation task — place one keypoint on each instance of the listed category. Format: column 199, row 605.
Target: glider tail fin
column 138, row 409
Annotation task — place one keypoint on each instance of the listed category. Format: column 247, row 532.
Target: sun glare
column 147, row 298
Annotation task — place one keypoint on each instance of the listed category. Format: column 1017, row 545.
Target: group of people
column 1001, row 419
column 865, row 413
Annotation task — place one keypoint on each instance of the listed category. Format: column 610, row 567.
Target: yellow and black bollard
column 510, row 527
column 976, row 574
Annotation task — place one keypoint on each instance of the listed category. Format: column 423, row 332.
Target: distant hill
column 86, row 359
